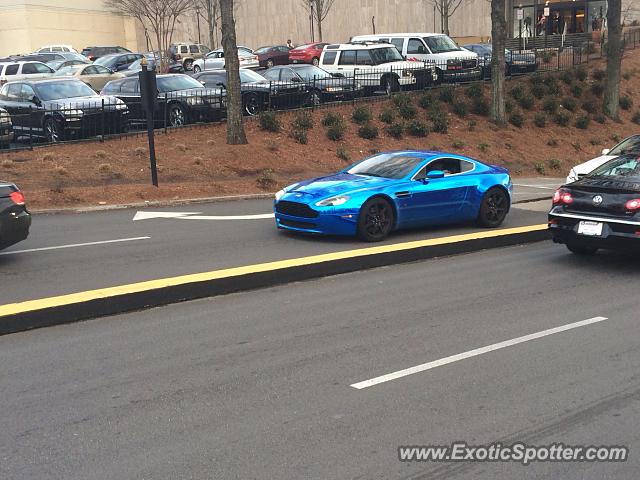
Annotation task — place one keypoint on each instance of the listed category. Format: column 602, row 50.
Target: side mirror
column 435, row 174
column 606, row 151
column 36, row 101
column 219, row 84
column 295, row 80
column 337, row 75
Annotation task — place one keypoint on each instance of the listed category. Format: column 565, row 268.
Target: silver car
column 214, row 60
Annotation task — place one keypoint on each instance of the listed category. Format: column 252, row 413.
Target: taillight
column 17, row 198
column 633, row 205
column 562, row 197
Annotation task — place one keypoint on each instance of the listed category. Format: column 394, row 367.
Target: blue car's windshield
column 387, row 165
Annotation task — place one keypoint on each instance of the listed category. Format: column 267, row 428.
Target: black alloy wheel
column 252, row 106
column 52, row 130
column 376, row 220
column 494, row 208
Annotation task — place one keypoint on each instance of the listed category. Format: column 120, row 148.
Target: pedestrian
column 290, row 45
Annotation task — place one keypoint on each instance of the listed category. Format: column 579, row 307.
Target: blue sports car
column 395, row 190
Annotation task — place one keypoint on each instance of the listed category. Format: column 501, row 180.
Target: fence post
column 166, row 111
column 102, row 120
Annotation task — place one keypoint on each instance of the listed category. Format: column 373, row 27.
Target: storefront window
column 597, row 15
column 526, row 24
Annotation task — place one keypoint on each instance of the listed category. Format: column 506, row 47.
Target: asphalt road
column 257, row 385
column 67, row 253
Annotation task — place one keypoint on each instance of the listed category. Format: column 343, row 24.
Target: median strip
column 113, row 300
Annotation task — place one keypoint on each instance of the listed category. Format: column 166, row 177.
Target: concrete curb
column 116, row 300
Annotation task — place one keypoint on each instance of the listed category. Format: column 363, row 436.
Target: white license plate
column 591, row 229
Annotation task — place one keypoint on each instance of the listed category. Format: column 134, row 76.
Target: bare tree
column 235, row 127
column 614, row 50
column 319, row 10
column 209, row 10
column 498, row 40
column 446, row 9
column 630, row 11
column 158, row 16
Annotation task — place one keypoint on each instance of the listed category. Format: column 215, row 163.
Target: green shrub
column 597, row 89
column 387, row 116
column 439, row 121
column 343, row 154
column 267, row 179
column 576, row 90
column 401, row 100
column 539, row 167
column 582, row 122
column 331, row 118
column 567, row 77
column 552, row 142
column 457, row 144
column 517, row 92
column 303, row 121
column 589, row 106
column 625, row 102
column 546, row 57
column 446, row 94
column 562, row 119
column 474, row 90
column 627, row 75
column 581, row 74
column 598, row 74
column 408, row 111
column 526, row 102
column 300, row 136
column 418, row 129
column 550, row 105
column 395, row 130
column 368, row 132
column 484, row 147
column 508, row 105
column 460, row 108
column 336, row 131
column 472, row 124
column 551, row 82
column 480, row 106
column 570, row 104
column 536, row 79
column 555, row 164
column 426, row 101
column 600, row 118
column 538, row 90
column 636, row 118
column 269, row 122
column 540, row 120
column 361, row 115
column 516, row 119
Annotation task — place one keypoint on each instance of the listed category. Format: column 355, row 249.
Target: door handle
column 403, row 194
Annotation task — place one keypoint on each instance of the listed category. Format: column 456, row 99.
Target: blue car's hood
column 340, row 183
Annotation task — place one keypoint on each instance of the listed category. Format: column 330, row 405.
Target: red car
column 309, row 53
column 270, row 56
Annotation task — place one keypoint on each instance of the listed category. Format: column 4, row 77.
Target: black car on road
column 181, row 100
column 61, row 108
column 118, row 61
column 15, row 219
column 258, row 93
column 517, row 62
column 94, row 53
column 601, row 210
column 322, row 85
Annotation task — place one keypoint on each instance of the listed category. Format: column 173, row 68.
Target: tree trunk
column 498, row 40
column 319, row 22
column 235, row 126
column 211, row 23
column 445, row 17
column 614, row 52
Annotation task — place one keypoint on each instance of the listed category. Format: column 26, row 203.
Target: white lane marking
column 88, row 244
column 473, row 353
column 197, row 216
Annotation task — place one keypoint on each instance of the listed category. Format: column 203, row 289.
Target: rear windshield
column 627, row 167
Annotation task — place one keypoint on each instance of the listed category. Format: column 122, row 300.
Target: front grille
column 295, row 224
column 295, row 209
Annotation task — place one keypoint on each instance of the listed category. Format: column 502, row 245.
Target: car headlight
column 573, row 176
column 333, row 201
column 334, row 89
column 280, row 194
column 72, row 114
column 120, row 105
column 195, row 101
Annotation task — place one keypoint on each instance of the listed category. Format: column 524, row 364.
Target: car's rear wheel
column 188, row 64
column 270, row 63
column 177, row 116
column 315, row 61
column 52, row 131
column 376, row 220
column 494, row 208
column 315, row 98
column 391, row 85
column 581, row 249
column 252, row 105
column 196, row 69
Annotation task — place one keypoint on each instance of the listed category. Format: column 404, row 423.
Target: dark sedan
column 517, row 62
column 118, row 61
column 61, row 108
column 181, row 100
column 258, row 93
column 136, row 67
column 322, row 85
column 601, row 210
column 15, row 219
column 270, row 56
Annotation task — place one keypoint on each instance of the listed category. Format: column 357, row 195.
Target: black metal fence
column 123, row 113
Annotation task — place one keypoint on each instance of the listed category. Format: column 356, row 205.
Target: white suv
column 453, row 62
column 376, row 65
column 10, row 71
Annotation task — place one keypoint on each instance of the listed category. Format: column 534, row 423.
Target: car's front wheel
column 252, row 105
column 376, row 220
column 494, row 208
column 196, row 69
column 315, row 61
column 391, row 85
column 581, row 249
column 177, row 116
column 188, row 64
column 52, row 130
column 270, row 63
